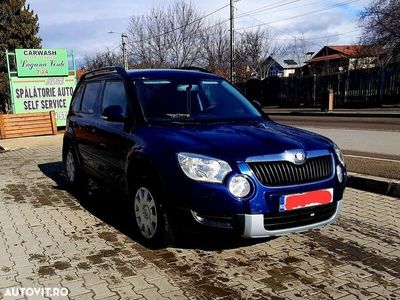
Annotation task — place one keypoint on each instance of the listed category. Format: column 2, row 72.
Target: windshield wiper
column 175, row 122
column 183, row 123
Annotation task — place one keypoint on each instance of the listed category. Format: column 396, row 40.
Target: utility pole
column 124, row 53
column 232, row 41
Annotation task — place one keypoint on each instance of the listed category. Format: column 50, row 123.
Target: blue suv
column 188, row 148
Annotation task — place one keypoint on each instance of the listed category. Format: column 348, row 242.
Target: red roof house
column 332, row 59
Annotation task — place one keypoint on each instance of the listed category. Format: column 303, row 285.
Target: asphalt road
column 371, row 145
column 348, row 123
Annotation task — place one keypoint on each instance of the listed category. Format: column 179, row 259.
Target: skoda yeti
column 187, row 147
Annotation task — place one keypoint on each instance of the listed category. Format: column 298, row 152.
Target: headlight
column 339, row 154
column 339, row 173
column 239, row 186
column 203, row 168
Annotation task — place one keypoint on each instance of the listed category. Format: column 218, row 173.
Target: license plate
column 313, row 198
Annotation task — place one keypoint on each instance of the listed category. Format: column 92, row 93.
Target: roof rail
column 194, row 69
column 106, row 70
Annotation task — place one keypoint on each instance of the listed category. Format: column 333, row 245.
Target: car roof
column 113, row 72
column 170, row 74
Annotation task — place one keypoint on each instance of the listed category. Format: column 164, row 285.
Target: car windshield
column 193, row 101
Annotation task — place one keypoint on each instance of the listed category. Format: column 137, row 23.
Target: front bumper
column 258, row 215
column 254, row 225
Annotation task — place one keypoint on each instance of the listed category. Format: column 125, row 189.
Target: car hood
column 234, row 142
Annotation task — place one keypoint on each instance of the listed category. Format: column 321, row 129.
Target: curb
column 334, row 114
column 378, row 185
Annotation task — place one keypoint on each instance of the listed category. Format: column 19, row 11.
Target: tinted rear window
column 90, row 95
column 76, row 105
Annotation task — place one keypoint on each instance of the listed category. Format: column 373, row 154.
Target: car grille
column 279, row 173
column 299, row 217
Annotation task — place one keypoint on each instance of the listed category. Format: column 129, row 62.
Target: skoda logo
column 299, row 157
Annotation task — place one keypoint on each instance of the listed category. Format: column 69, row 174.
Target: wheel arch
column 141, row 167
column 67, row 143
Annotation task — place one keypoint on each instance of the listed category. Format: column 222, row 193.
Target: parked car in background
column 188, row 148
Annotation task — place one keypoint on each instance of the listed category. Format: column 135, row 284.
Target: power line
column 277, row 29
column 118, row 46
column 324, row 37
column 288, row 8
column 302, row 15
column 280, row 30
column 112, row 48
column 183, row 26
column 268, row 7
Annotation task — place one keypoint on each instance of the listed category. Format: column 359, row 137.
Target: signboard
column 43, row 94
column 41, row 62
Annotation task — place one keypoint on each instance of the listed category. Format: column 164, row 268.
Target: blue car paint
column 232, row 142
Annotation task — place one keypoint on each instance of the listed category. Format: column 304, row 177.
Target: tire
column 76, row 179
column 150, row 218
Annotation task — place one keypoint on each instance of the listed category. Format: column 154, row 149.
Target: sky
column 83, row 26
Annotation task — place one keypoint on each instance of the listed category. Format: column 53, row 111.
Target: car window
column 90, row 97
column 76, row 104
column 193, row 101
column 114, row 94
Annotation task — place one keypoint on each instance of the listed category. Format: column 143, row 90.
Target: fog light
column 339, row 173
column 239, row 186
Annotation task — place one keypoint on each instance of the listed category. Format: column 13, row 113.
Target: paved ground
column 48, row 239
column 371, row 145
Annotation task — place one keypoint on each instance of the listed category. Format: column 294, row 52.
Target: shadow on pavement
column 111, row 206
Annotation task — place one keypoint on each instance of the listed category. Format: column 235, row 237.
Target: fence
column 21, row 125
column 363, row 88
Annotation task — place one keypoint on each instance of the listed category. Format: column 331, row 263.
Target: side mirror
column 114, row 113
column 257, row 105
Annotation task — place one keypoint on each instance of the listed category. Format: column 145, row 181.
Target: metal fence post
column 315, row 90
column 382, row 85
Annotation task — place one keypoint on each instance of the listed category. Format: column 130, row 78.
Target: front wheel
column 75, row 177
column 151, row 220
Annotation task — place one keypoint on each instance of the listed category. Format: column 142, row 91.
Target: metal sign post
column 9, row 102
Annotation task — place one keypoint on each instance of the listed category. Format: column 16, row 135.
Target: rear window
column 76, row 105
column 90, row 95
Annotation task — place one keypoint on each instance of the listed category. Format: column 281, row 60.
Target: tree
column 380, row 23
column 252, row 50
column 166, row 37
column 102, row 59
column 297, row 51
column 216, row 49
column 19, row 27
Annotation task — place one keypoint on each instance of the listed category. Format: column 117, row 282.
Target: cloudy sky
column 83, row 25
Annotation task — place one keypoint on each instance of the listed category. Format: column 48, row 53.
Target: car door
column 114, row 141
column 86, row 126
